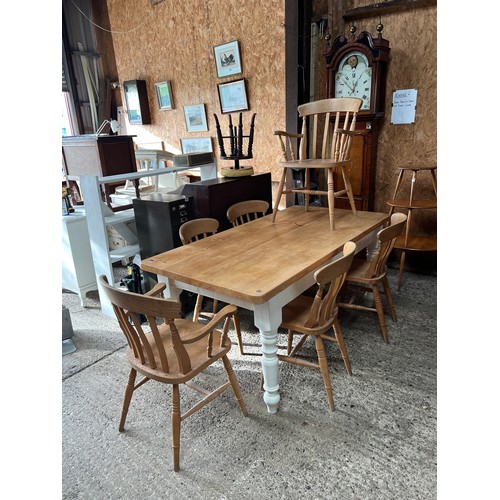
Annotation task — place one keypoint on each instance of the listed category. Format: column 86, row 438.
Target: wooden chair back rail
column 332, row 275
column 333, row 121
column 289, row 144
column 197, row 229
column 387, row 239
column 129, row 307
column 368, row 275
column 246, row 211
column 321, row 317
column 155, row 352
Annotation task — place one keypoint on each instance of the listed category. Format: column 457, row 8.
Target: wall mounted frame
column 227, row 59
column 196, row 119
column 233, row 96
column 136, row 98
column 164, row 95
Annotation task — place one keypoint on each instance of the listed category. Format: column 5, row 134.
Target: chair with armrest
column 170, row 350
column 315, row 316
column 327, row 151
column 367, row 275
column 246, row 211
column 195, row 230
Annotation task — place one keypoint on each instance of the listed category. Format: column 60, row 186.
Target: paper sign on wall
column 404, row 103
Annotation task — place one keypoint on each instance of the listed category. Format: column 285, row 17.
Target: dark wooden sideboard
column 213, row 197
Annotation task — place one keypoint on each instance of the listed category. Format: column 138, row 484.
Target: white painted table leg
column 267, row 320
column 171, row 291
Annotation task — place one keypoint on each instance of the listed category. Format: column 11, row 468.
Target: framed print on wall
column 137, row 102
column 164, row 95
column 233, row 96
column 196, row 119
column 196, row 145
column 227, row 59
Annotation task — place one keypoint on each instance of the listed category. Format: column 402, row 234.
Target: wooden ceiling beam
column 385, row 8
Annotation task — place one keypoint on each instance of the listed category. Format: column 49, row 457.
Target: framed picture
column 164, row 95
column 196, row 119
column 227, row 59
column 196, row 145
column 233, row 96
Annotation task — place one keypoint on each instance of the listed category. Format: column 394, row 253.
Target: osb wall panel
column 174, row 40
column 412, row 35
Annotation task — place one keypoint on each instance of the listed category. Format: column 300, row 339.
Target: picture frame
column 164, row 95
column 196, row 145
column 233, row 96
column 227, row 59
column 196, row 118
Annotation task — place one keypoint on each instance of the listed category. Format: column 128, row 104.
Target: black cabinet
column 158, row 218
column 213, row 197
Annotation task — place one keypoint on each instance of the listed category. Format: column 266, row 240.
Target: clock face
column 354, row 78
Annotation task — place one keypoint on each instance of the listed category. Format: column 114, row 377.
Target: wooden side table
column 408, row 241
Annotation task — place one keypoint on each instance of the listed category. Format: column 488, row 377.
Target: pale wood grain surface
column 257, row 260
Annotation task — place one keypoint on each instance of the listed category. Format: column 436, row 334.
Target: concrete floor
column 379, row 443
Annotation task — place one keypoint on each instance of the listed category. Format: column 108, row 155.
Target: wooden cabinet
column 101, row 155
column 371, row 54
column 213, row 197
column 362, row 169
column 410, row 241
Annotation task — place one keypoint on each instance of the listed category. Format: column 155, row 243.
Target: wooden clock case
column 364, row 147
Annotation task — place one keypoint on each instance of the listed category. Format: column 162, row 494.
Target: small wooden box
column 101, row 155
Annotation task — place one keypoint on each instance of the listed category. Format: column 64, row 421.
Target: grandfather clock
column 357, row 67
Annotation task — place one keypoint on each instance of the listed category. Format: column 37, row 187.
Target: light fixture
column 113, row 125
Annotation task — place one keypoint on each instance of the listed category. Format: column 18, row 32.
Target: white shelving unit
column 77, row 265
column 100, row 217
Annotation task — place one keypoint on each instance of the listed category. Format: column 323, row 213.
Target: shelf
column 119, row 217
column 418, row 204
column 407, row 241
column 417, row 243
column 100, row 218
column 120, row 253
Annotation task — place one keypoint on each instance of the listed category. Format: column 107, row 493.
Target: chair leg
column 380, row 312
column 279, row 193
column 331, row 199
column 237, row 329
column 299, row 345
column 307, row 187
column 176, row 425
column 197, row 308
column 234, row 384
column 347, row 183
column 388, row 296
column 339, row 336
column 289, row 343
column 128, row 397
column 323, row 366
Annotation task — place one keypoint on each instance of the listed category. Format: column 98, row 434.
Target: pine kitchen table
column 261, row 266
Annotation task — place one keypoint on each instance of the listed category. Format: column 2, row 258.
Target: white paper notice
column 404, row 103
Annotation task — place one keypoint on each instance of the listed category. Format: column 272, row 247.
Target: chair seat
column 296, row 313
column 358, row 270
column 197, row 352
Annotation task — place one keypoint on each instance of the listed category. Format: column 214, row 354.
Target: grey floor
column 379, row 443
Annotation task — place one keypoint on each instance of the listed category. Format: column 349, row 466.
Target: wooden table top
column 259, row 259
